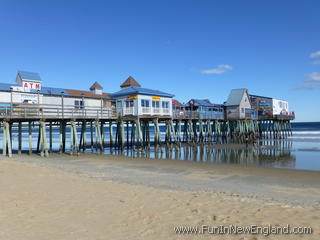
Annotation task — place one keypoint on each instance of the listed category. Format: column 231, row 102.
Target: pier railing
column 185, row 114
column 50, row 111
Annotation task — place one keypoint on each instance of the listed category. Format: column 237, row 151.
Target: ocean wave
column 306, row 132
column 304, row 137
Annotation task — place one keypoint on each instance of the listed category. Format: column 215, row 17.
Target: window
column 119, row 104
column 145, row 103
column 155, row 104
column 242, row 110
column 165, row 104
column 78, row 104
column 129, row 103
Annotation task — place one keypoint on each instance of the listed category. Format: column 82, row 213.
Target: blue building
column 205, row 109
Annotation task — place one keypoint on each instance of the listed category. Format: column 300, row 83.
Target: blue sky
column 193, row 49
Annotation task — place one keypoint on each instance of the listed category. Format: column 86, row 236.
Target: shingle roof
column 251, row 95
column 130, row 82
column 6, row 86
column 29, row 76
column 80, row 93
column 138, row 90
column 176, row 103
column 44, row 90
column 236, row 96
column 200, row 102
column 96, row 85
column 57, row 91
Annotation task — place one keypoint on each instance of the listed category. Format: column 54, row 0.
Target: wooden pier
column 137, row 132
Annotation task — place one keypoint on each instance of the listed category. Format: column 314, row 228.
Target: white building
column 134, row 100
column 238, row 105
column 29, row 97
column 280, row 107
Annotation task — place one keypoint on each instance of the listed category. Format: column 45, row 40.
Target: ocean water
column 306, row 131
column 299, row 151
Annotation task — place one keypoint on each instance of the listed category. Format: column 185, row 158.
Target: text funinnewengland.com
column 265, row 230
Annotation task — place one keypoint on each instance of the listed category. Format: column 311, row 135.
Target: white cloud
column 315, row 54
column 222, row 68
column 314, row 76
column 309, row 84
column 312, row 82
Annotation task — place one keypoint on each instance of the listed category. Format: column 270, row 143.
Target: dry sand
column 104, row 197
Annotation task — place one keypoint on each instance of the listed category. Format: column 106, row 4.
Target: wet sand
column 114, row 197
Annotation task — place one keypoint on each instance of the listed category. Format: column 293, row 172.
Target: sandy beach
column 113, row 197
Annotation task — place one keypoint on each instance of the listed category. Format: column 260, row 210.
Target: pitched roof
column 138, row 90
column 218, row 105
column 29, row 76
column 96, row 85
column 130, row 82
column 80, row 93
column 57, row 91
column 251, row 95
column 236, row 96
column 44, row 90
column 176, row 103
column 200, row 102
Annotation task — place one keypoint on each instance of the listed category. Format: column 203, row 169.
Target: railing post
column 62, row 104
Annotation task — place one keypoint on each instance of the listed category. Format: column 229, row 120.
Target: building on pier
column 269, row 108
column 238, row 105
column 133, row 100
column 29, row 94
column 177, row 106
column 205, row 109
column 28, row 98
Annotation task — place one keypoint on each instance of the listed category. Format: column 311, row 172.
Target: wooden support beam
column 98, row 137
column 148, row 134
column 30, row 137
column 127, row 128
column 39, row 136
column 102, row 135
column 19, row 137
column 43, row 140
column 6, row 148
column 74, row 144
column 91, row 136
column 83, row 136
column 132, row 134
column 122, row 134
column 71, row 138
column 50, row 136
column 61, row 138
column 110, row 134
column 64, row 135
column 139, row 133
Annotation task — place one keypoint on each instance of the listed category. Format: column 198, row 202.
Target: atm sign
column 31, row 85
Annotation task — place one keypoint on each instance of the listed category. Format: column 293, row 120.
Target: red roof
column 130, row 82
column 80, row 93
column 96, row 85
column 176, row 103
